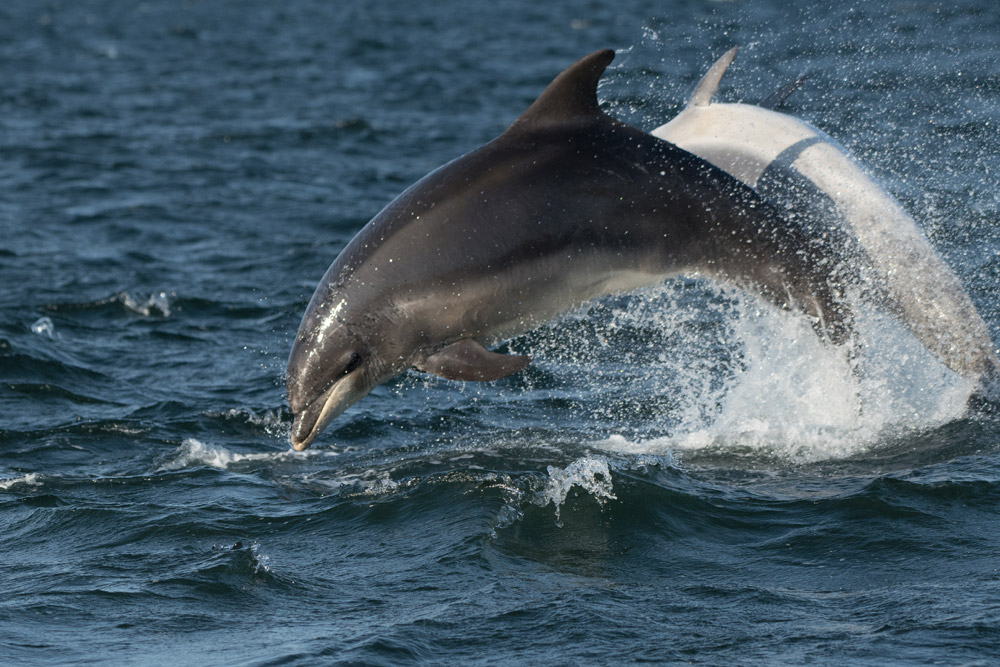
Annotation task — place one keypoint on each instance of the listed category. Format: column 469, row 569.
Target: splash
column 788, row 395
column 43, row 326
column 794, row 397
column 30, row 479
column 157, row 305
column 261, row 562
column 591, row 474
column 194, row 453
column 382, row 486
column 269, row 421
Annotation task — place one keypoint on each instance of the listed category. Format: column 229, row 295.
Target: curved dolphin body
column 566, row 205
column 799, row 168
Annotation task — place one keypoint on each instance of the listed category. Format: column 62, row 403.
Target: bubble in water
column 43, row 326
column 157, row 304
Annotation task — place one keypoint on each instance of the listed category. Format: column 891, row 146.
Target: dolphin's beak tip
column 299, row 444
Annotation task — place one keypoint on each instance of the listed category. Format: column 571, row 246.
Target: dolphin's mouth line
column 334, row 401
column 322, row 419
column 300, row 445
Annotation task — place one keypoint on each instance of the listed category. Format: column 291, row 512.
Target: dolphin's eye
column 352, row 363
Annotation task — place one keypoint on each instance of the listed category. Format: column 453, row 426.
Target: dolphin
column 566, row 205
column 797, row 167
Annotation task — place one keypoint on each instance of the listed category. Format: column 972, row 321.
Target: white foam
column 591, row 473
column 29, row 479
column 797, row 398
column 193, row 453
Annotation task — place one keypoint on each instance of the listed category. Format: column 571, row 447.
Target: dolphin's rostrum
column 568, row 204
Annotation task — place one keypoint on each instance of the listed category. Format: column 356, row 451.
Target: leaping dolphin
column 568, row 204
column 797, row 167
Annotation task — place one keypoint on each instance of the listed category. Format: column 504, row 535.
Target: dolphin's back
column 559, row 210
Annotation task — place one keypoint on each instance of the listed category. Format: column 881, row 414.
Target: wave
column 156, row 304
column 28, row 480
column 354, row 129
column 164, row 304
column 773, row 515
column 193, row 453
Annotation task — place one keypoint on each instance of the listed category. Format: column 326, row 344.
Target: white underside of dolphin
column 749, row 141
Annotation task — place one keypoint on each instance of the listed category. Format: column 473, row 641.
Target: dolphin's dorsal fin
column 706, row 88
column 572, row 95
column 778, row 97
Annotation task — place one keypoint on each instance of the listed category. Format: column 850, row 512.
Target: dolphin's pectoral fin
column 468, row 360
column 778, row 97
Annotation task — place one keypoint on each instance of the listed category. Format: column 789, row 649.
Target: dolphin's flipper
column 778, row 97
column 468, row 360
column 706, row 88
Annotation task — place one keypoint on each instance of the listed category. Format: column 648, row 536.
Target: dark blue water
column 681, row 476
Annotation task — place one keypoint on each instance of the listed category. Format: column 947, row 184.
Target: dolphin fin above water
column 778, row 97
column 704, row 91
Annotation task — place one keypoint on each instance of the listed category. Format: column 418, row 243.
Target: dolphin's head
column 337, row 359
column 328, row 371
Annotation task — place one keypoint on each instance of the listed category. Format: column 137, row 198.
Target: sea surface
column 683, row 475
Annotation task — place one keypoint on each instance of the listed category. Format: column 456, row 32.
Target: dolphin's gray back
column 554, row 213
